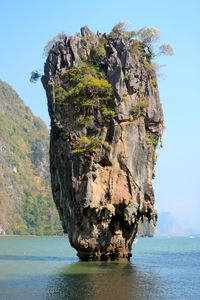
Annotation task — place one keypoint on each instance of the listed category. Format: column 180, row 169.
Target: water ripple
column 36, row 258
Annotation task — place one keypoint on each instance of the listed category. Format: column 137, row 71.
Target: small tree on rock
column 148, row 37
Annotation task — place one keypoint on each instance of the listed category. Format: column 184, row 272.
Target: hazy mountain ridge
column 26, row 205
column 168, row 226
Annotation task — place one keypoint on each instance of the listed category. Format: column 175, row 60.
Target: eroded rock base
column 104, row 256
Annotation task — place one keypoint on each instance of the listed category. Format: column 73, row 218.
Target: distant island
column 168, row 226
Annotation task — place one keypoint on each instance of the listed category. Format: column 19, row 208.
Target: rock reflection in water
column 105, row 281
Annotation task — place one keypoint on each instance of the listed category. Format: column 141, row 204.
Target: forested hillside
column 26, row 205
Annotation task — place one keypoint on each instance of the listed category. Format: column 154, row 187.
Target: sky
column 25, row 28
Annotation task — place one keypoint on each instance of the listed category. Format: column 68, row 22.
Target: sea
column 47, row 268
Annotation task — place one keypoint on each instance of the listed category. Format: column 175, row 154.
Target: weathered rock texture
column 102, row 193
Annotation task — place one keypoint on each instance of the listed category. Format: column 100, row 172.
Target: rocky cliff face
column 106, row 121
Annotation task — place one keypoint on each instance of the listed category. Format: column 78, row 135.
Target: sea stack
column 106, row 122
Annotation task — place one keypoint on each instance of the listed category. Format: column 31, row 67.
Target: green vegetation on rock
column 142, row 40
column 99, row 51
column 84, row 120
column 85, row 89
column 84, row 84
column 85, row 144
column 139, row 109
column 151, row 139
column 26, row 204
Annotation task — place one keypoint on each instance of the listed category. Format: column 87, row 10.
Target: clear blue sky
column 26, row 26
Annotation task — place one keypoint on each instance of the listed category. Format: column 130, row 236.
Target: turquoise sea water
column 47, row 268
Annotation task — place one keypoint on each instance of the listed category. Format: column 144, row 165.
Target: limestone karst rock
column 106, row 121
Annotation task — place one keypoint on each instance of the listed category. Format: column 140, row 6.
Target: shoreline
column 66, row 235
column 32, row 235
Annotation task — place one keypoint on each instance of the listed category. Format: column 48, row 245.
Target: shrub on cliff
column 49, row 45
column 86, row 87
column 139, row 109
column 84, row 84
column 148, row 37
column 142, row 40
column 86, row 144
